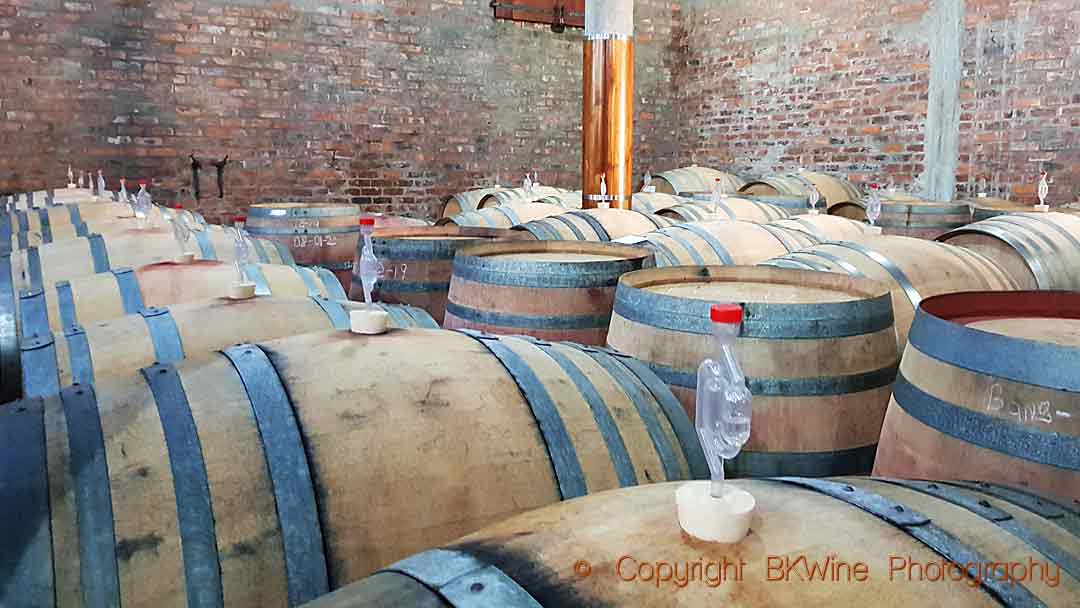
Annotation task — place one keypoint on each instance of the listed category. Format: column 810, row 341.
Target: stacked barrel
column 172, row 445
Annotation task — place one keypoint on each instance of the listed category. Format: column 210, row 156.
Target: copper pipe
column 608, row 120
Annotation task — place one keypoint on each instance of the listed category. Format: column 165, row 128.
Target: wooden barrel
column 792, row 203
column 83, row 354
column 46, row 225
column 594, row 225
column 988, row 388
column 652, row 202
column 566, row 199
column 984, row 208
column 507, row 196
column 503, row 216
column 922, row 219
column 251, row 477
column 418, row 263
column 465, row 201
column 732, row 208
column 552, row 290
column 818, row 350
column 316, row 234
column 827, row 227
column 722, row 242
column 695, row 179
column 813, row 542
column 833, row 190
column 66, row 260
column 912, row 268
column 1039, row 250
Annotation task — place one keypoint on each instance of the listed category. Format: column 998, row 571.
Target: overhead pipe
column 608, row 109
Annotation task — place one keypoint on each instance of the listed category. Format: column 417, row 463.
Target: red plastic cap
column 177, row 206
column 367, row 221
column 726, row 313
column 873, row 186
column 142, row 182
column 239, row 218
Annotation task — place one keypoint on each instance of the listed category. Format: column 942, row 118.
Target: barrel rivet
column 932, row 486
column 849, row 489
column 984, row 503
column 163, row 371
column 476, row 587
column 899, row 508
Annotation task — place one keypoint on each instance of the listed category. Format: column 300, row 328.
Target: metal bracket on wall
column 559, row 14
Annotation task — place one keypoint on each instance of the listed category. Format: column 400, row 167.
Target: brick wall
column 394, row 104
column 391, row 104
column 842, row 86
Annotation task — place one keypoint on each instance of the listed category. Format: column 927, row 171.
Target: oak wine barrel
column 818, row 350
column 503, row 216
column 552, row 290
column 832, row 190
column 418, row 263
column 465, row 201
column 594, row 225
column 695, row 179
column 912, row 268
column 916, row 218
column 564, row 199
column 316, row 234
column 249, row 479
column 45, row 225
column 652, row 202
column 988, row 389
column 193, row 330
column 507, row 196
column 732, row 208
column 986, row 207
column 722, row 242
column 813, row 542
column 792, row 203
column 827, row 227
column 1039, row 250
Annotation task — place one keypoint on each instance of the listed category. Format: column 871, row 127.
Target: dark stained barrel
column 552, row 290
column 418, row 263
column 817, row 349
column 869, row 542
column 988, row 388
column 246, row 480
column 317, row 234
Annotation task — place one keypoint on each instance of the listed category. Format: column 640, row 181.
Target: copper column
column 608, row 108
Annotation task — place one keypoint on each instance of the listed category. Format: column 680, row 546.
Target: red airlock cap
column 177, row 206
column 367, row 221
column 239, row 218
column 726, row 313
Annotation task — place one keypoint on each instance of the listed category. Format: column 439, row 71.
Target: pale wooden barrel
column 465, row 201
column 912, row 268
column 65, row 260
column 81, row 354
column 833, row 190
column 695, row 179
column 732, row 208
column 45, row 225
column 507, row 196
column 418, row 263
column 871, row 542
column 792, row 203
column 594, row 225
column 818, row 350
column 503, row 216
column 652, row 202
column 1039, row 250
column 567, row 200
column 270, row 474
column 984, row 208
column 552, row 290
column 722, row 242
column 988, row 389
column 826, row 227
